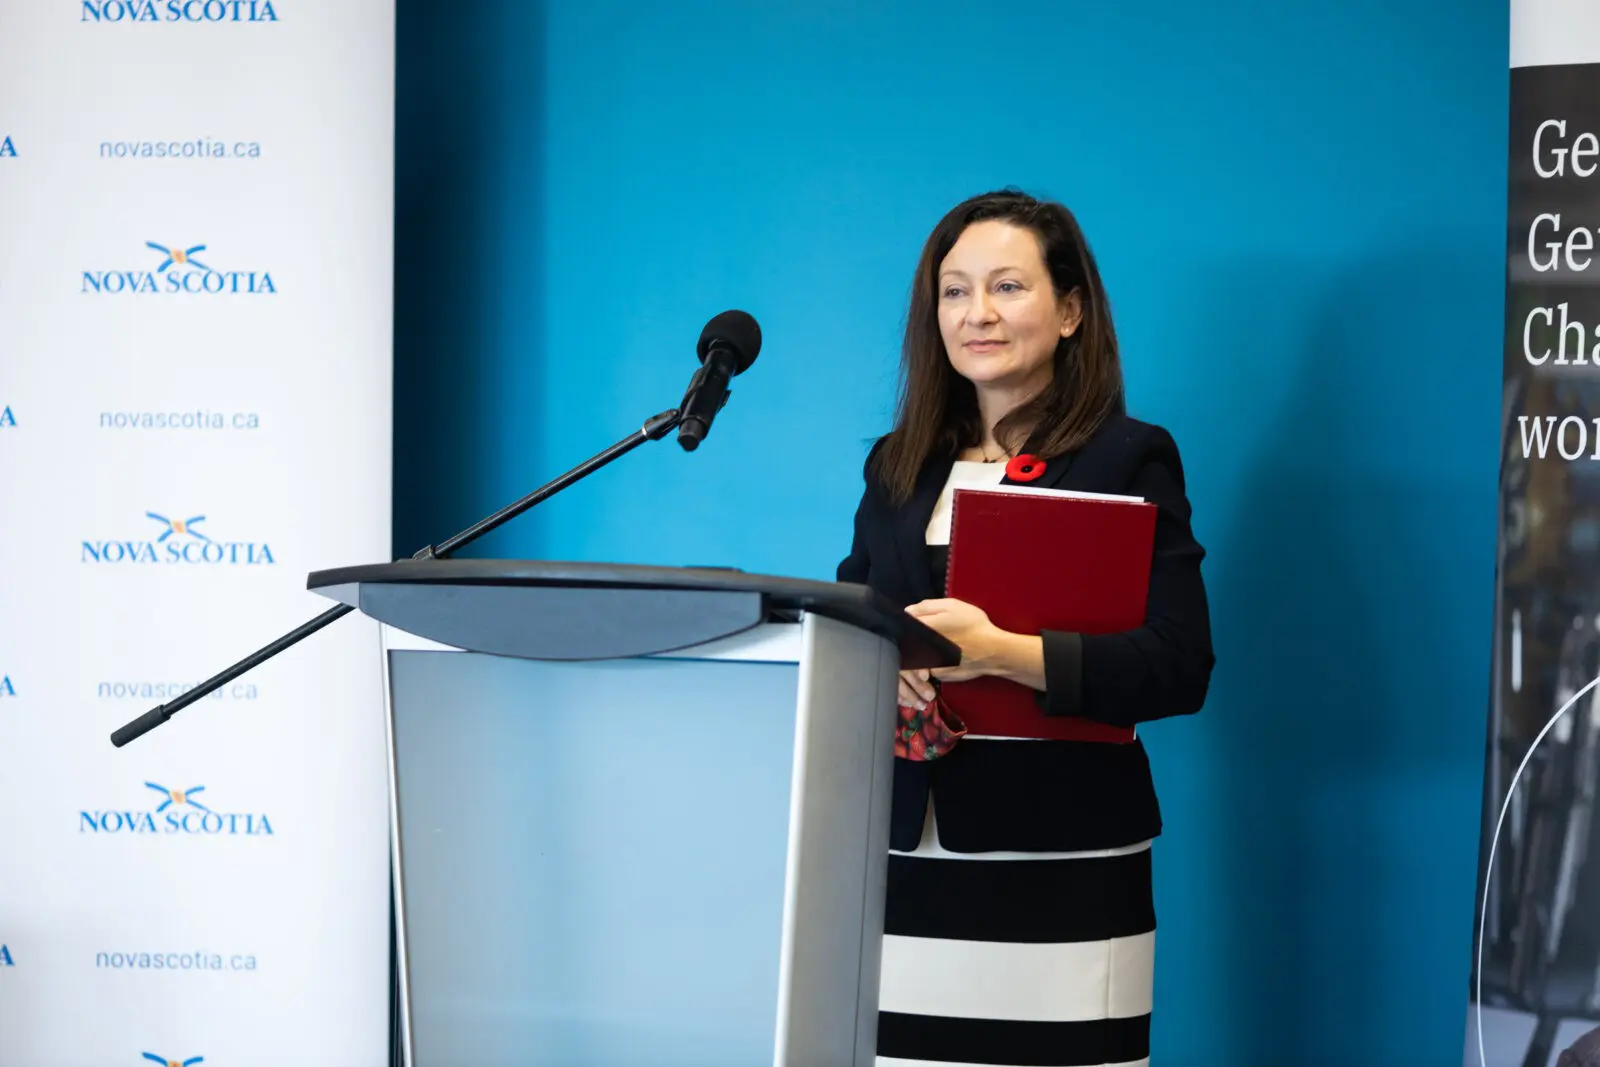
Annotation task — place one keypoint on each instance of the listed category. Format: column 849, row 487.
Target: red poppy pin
column 1025, row 468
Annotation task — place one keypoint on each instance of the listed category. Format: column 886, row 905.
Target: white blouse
column 965, row 473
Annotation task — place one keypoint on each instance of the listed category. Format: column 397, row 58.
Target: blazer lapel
column 1055, row 473
column 911, row 530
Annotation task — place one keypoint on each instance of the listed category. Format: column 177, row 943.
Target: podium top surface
column 563, row 610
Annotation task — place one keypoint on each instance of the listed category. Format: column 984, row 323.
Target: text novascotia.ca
column 174, row 961
column 178, row 420
column 166, row 690
column 178, row 11
column 200, row 149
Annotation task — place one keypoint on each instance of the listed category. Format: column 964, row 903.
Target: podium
column 639, row 815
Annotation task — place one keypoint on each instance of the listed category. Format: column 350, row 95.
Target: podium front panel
column 595, row 857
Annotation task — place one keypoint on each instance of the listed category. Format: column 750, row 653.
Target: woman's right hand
column 916, row 690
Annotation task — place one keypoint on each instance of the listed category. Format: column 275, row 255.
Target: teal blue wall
column 1299, row 211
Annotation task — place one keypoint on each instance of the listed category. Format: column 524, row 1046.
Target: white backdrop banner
column 195, row 411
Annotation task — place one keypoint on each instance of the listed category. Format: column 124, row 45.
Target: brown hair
column 937, row 414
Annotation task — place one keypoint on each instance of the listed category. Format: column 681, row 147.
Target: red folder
column 1033, row 561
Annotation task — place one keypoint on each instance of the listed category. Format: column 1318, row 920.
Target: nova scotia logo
column 179, row 540
column 8, row 150
column 178, row 526
column 177, row 813
column 180, row 797
column 173, row 1063
column 178, row 272
column 178, row 255
column 178, row 11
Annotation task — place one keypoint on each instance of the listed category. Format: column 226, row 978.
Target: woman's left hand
column 966, row 625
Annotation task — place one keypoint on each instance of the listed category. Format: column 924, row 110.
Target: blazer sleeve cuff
column 1063, row 674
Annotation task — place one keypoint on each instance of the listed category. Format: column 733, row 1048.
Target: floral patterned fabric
column 929, row 733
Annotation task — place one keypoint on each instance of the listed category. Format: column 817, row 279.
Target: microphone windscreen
column 736, row 329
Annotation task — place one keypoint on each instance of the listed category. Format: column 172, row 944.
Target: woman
column 1020, row 922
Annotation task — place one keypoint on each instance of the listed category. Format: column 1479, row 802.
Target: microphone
column 728, row 345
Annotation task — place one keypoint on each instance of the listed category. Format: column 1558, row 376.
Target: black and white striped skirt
column 1017, row 958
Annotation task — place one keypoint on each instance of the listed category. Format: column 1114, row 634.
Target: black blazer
column 1057, row 795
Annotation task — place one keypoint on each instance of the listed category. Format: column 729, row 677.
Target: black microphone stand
column 655, row 428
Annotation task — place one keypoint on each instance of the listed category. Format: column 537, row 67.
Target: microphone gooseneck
column 728, row 345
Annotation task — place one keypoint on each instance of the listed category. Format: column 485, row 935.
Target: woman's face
column 998, row 311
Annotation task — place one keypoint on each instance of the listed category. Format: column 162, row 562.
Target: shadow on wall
column 1340, row 713
column 467, row 200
